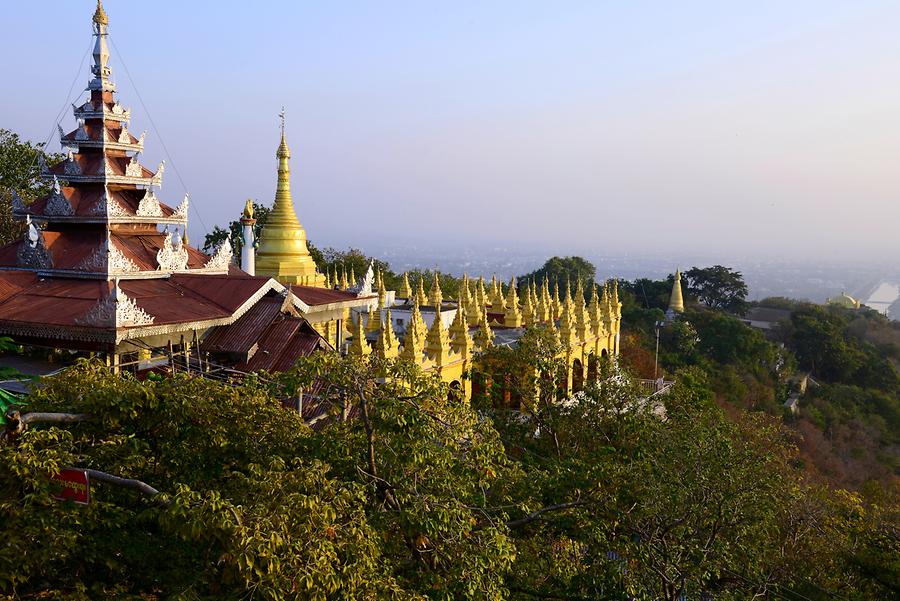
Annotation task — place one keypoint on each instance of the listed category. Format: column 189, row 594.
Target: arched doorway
column 592, row 368
column 577, row 376
column 455, row 392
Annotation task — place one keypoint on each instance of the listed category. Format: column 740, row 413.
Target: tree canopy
column 718, row 287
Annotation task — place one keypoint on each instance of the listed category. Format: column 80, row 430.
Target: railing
column 658, row 387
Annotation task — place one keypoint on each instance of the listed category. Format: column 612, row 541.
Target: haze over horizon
column 767, row 129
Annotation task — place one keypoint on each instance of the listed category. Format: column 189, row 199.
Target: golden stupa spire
column 676, row 301
column 373, row 322
column 460, row 341
column 283, row 253
column 359, row 347
column 387, row 345
column 512, row 318
column 100, row 17
column 484, row 337
column 529, row 312
column 412, row 341
column 405, row 291
column 421, row 297
column 435, row 296
column 438, row 343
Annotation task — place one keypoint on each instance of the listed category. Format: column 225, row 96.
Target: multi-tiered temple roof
column 103, row 216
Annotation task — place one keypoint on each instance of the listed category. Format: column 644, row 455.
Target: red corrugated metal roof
column 240, row 336
column 321, row 296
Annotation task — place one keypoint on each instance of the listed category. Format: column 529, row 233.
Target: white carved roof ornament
column 81, row 133
column 149, row 205
column 181, row 211
column 42, row 163
column 221, row 258
column 116, row 310
column 33, row 252
column 57, row 203
column 133, row 169
column 172, row 256
column 364, row 287
column 124, row 138
column 157, row 179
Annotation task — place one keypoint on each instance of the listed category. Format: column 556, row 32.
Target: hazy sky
column 751, row 127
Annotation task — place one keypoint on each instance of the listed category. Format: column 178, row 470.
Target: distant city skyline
column 762, row 130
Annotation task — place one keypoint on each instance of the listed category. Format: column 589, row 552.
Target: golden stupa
column 283, row 253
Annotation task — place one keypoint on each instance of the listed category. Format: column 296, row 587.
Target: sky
column 766, row 128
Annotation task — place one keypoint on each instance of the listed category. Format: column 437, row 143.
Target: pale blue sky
column 752, row 127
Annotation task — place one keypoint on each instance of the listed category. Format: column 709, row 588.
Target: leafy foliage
column 560, row 269
column 718, row 287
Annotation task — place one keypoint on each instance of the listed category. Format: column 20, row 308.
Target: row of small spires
column 578, row 322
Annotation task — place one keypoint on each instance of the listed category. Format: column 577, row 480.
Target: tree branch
column 16, row 423
column 533, row 516
column 141, row 487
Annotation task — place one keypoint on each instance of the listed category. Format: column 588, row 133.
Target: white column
column 248, row 259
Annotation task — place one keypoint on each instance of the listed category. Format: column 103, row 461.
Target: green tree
column 560, row 269
column 19, row 173
column 240, row 513
column 718, row 287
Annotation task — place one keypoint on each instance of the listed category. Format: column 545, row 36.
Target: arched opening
column 592, row 368
column 577, row 376
column 455, row 391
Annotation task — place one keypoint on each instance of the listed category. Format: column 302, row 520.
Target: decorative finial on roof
column 248, row 209
column 283, row 151
column 100, row 17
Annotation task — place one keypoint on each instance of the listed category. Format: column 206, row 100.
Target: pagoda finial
column 676, row 300
column 100, row 17
column 438, row 343
column 248, row 209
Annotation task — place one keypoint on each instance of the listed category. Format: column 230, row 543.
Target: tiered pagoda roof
column 102, row 217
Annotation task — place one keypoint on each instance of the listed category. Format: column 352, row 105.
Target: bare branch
column 141, row 487
column 16, row 423
column 533, row 516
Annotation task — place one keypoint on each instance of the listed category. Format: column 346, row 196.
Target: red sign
column 72, row 485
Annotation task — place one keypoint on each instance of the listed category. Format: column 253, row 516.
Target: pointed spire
column 387, row 346
column 359, row 347
column 460, row 340
column 594, row 313
column 412, row 341
column 512, row 317
column 373, row 322
column 676, row 301
column 484, row 337
column 438, row 343
column 421, row 297
column 566, row 329
column 475, row 308
column 529, row 312
column 557, row 306
column 435, row 296
column 405, row 291
column 582, row 320
column 352, row 281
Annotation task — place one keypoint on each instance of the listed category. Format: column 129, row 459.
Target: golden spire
column 459, row 330
column 283, row 253
column 557, row 306
column 566, row 329
column 373, row 323
column 412, row 343
column 438, row 346
column 484, row 337
column 435, row 296
column 100, row 17
column 475, row 308
column 512, row 318
column 387, row 345
column 676, row 301
column 529, row 312
column 594, row 313
column 421, row 298
column 352, row 281
column 582, row 321
column 359, row 347
column 405, row 291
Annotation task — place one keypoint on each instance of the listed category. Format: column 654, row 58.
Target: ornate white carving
column 57, row 203
column 124, row 138
column 42, row 163
column 364, row 287
column 107, row 167
column 33, row 253
column 172, row 256
column 107, row 258
column 117, row 109
column 116, row 310
column 109, row 206
column 149, row 205
column 118, row 262
column 221, row 259
column 18, row 205
column 133, row 169
column 96, row 261
column 181, row 211
column 81, row 133
column 141, row 139
column 62, row 134
column 157, row 179
column 71, row 167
